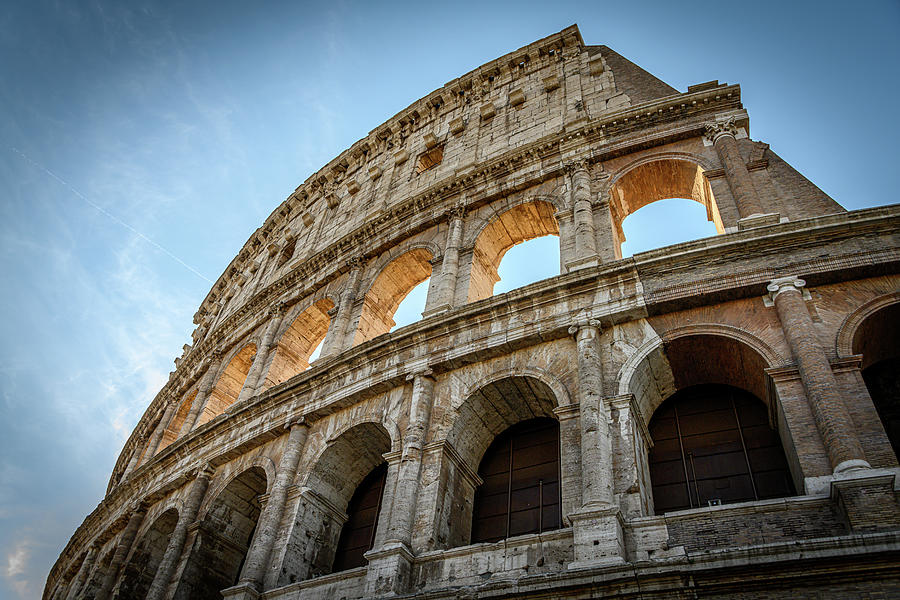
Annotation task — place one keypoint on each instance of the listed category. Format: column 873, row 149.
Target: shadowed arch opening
column 297, row 344
column 144, row 561
column 659, row 180
column 518, row 224
column 388, row 290
column 95, row 579
column 223, row 539
column 174, row 428
column 344, row 482
column 229, row 385
column 877, row 339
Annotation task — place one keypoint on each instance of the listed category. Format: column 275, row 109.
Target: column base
column 241, row 591
column 867, row 499
column 436, row 310
column 599, row 537
column 390, row 570
column 758, row 220
column 582, row 263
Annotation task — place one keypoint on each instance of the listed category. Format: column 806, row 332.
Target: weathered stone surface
column 556, row 138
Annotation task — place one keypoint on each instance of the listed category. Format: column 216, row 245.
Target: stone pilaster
column 135, row 456
column 450, row 264
column 186, row 517
column 722, row 135
column 203, row 390
column 597, row 527
column 630, row 440
column 269, row 521
column 337, row 333
column 122, row 550
column 583, row 213
column 84, row 570
column 255, row 374
column 390, row 567
column 832, row 419
column 156, row 438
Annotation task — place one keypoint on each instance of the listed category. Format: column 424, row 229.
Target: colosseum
column 718, row 418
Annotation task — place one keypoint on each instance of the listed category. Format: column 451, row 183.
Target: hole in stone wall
column 663, row 223
column 530, row 261
column 411, row 308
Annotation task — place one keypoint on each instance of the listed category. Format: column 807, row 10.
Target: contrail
column 112, row 216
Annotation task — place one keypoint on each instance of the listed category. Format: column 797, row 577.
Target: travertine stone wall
column 238, row 476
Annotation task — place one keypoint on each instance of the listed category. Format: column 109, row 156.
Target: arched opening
column 712, row 444
column 95, row 579
column 510, row 419
column 144, row 561
column 358, row 533
column 297, row 344
column 388, row 290
column 229, row 385
column 659, row 180
column 664, row 223
column 518, row 224
column 878, row 340
column 223, row 539
column 342, row 495
column 520, row 491
column 718, row 385
column 174, row 428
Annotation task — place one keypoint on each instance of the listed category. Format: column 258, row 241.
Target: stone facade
column 237, row 478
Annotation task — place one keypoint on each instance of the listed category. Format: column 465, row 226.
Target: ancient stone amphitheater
column 717, row 418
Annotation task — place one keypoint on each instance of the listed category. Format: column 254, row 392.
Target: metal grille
column 358, row 533
column 712, row 444
column 520, row 493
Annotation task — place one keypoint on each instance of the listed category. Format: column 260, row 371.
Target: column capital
column 576, row 165
column 783, row 284
column 355, row 262
column 718, row 129
column 426, row 372
column 295, row 423
column 205, row 472
column 458, row 211
column 278, row 309
column 585, row 329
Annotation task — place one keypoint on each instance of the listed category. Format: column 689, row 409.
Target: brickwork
column 556, row 138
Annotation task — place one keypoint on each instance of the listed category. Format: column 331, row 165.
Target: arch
column 713, row 444
column 263, row 463
column 306, row 331
column 337, row 471
column 850, row 326
column 229, row 385
column 658, row 177
column 148, row 553
column 224, row 537
column 519, row 223
column 393, row 282
column 174, row 427
column 651, row 377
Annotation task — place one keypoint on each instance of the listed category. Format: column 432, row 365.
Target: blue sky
column 143, row 142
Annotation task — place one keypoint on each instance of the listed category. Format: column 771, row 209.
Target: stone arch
column 170, row 435
column 231, row 381
column 648, row 373
column 147, row 554
column 225, row 534
column 389, row 287
column 360, row 415
column 501, row 231
column 337, row 468
column 850, row 327
column 658, row 177
column 263, row 463
column 305, row 331
column 95, row 578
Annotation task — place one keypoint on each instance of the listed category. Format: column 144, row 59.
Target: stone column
column 722, row 135
column 156, row 438
column 267, row 528
column 186, row 516
column 450, row 264
column 583, row 212
column 390, row 567
column 597, row 527
column 832, row 419
column 203, row 391
column 335, row 338
column 254, row 375
column 122, row 550
column 83, row 571
column 135, row 457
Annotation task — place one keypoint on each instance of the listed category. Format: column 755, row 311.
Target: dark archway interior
column 223, row 539
column 712, row 444
column 520, row 492
column 358, row 533
column 145, row 560
column 878, row 340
